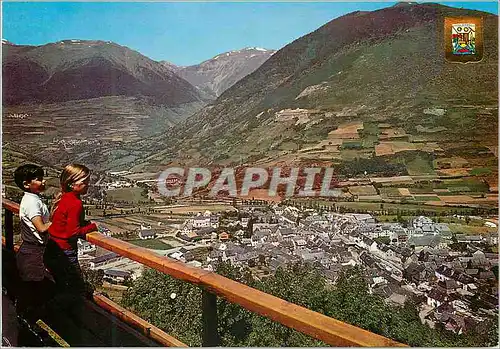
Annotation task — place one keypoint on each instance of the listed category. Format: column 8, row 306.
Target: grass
column 473, row 184
column 351, row 154
column 351, row 144
column 151, row 244
column 132, row 195
column 288, row 146
column 419, row 165
column 458, row 221
column 390, row 192
column 480, row 171
column 369, row 141
column 470, row 229
column 114, row 293
column 371, row 128
column 409, row 207
column 455, row 190
column 215, row 208
column 427, row 198
column 420, row 190
column 363, row 190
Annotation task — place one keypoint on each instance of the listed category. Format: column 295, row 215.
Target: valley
column 405, row 231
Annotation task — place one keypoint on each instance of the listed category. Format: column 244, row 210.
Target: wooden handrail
column 319, row 326
column 147, row 329
column 322, row 327
column 11, row 208
column 10, row 205
column 126, row 316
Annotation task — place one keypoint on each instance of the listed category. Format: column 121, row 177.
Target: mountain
column 89, row 101
column 81, row 69
column 365, row 85
column 216, row 75
column 172, row 66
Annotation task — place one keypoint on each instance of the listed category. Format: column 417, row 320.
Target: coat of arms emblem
column 463, row 39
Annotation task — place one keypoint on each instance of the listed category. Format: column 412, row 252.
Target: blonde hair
column 72, row 173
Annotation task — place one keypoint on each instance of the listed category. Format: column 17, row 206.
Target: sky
column 184, row 33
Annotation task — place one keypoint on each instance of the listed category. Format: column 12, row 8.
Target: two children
column 46, row 244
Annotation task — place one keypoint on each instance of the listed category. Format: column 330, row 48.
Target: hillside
column 365, row 85
column 87, row 101
column 81, row 69
column 219, row 73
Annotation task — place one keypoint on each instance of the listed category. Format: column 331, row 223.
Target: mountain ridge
column 215, row 75
column 81, row 69
column 372, row 66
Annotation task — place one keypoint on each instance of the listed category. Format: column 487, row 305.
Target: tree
column 173, row 305
column 383, row 240
column 348, row 300
column 94, row 277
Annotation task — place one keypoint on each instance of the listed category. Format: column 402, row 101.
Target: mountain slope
column 386, row 67
column 216, row 75
column 80, row 69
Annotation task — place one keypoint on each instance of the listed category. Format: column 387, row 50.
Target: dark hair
column 26, row 173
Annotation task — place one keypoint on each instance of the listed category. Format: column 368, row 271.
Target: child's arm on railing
column 76, row 226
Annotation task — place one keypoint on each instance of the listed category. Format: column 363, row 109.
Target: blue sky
column 183, row 33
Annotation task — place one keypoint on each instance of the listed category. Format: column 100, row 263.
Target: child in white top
column 34, row 216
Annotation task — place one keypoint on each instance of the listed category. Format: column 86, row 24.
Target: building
column 116, row 276
column 201, row 222
column 244, row 221
column 362, row 218
column 84, row 247
column 224, row 236
column 146, row 233
column 436, row 297
column 103, row 260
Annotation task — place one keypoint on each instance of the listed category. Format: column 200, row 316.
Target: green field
column 369, row 141
column 370, row 128
column 420, row 190
column 480, row 171
column 131, row 195
column 427, row 198
column 469, row 184
column 349, row 144
column 470, row 229
column 390, row 192
column 151, row 243
column 409, row 207
column 419, row 165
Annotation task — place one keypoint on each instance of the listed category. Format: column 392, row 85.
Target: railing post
column 209, row 318
column 9, row 229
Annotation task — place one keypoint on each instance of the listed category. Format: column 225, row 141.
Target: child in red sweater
column 68, row 224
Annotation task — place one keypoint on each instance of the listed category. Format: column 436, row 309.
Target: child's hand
column 40, row 226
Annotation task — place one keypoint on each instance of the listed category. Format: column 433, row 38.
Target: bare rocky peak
column 219, row 73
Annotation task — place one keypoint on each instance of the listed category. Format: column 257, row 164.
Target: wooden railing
column 319, row 326
column 123, row 314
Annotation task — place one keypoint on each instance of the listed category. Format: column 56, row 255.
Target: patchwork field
column 346, row 131
column 404, row 191
column 363, row 190
column 153, row 244
column 131, row 195
column 215, row 208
